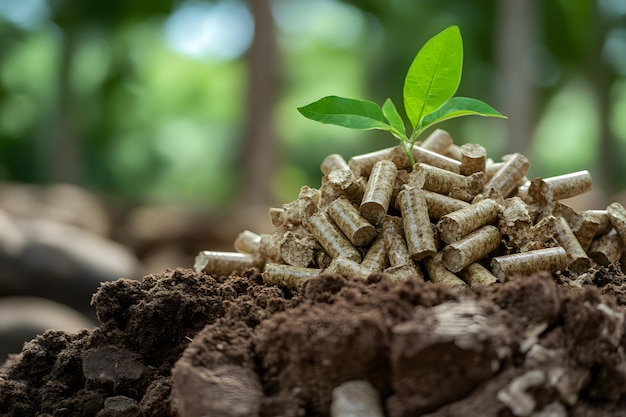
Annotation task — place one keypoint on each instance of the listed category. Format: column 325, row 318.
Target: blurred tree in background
column 195, row 100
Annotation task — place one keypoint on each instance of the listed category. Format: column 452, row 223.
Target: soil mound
column 188, row 344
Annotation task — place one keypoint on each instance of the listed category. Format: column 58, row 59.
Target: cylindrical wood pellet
column 297, row 251
column 358, row 230
column 362, row 165
column 225, row 263
column 247, row 242
column 378, row 191
column 508, row 177
column 607, row 249
column 439, row 205
column 454, row 152
column 348, row 268
column 376, row 257
column 526, row 263
column 288, row 276
column 404, row 272
column 476, row 276
column 439, row 274
column 617, row 216
column 395, row 244
column 331, row 238
column 346, row 183
column 418, row 233
column 435, row 159
column 577, row 259
column 473, row 158
column 457, row 224
column 471, row 248
column 277, row 216
column 332, row 162
column 436, row 179
column 560, row 187
column 438, row 141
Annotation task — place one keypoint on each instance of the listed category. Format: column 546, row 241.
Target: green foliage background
column 93, row 92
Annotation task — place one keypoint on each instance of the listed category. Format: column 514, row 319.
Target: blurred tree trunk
column 64, row 157
column 514, row 40
column 601, row 78
column 260, row 144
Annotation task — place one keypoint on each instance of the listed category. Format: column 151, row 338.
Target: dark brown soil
column 188, row 344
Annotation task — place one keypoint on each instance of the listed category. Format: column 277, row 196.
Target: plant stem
column 407, row 147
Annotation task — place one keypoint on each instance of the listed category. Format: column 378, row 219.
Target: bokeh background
column 162, row 127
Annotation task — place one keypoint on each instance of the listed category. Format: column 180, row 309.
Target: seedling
column 430, row 84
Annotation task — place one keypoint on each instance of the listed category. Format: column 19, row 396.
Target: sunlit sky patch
column 27, row 14
column 219, row 31
column 333, row 23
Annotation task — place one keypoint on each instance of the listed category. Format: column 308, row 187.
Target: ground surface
column 181, row 343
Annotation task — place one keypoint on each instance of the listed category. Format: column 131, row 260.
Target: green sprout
column 429, row 87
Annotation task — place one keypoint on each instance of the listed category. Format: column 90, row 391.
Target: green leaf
column 393, row 117
column 346, row 112
column 457, row 107
column 434, row 75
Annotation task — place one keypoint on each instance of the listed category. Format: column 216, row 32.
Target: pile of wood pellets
column 455, row 217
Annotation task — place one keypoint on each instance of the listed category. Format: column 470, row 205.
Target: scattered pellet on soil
column 224, row 263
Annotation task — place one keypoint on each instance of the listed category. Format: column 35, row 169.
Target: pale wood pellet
column 378, row 191
column 515, row 222
column 404, row 272
column 438, row 141
column 577, row 259
column 507, row 178
column 526, row 263
column 331, row 238
column 288, row 276
column 453, row 152
column 439, row 205
column 344, row 181
column 297, row 251
column 606, row 249
column 453, row 226
column 277, row 216
column 471, row 248
column 333, row 162
column 491, row 168
column 402, row 179
column 395, row 245
column 269, row 246
column 225, row 263
column 602, row 218
column 541, row 235
column 247, row 242
column 359, row 231
column 440, row 274
column 435, row 159
column 418, row 232
column 441, row 181
column 362, row 165
column 473, row 158
column 322, row 258
column 560, row 187
column 376, row 257
column 617, row 216
column 476, row 276
column 347, row 267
